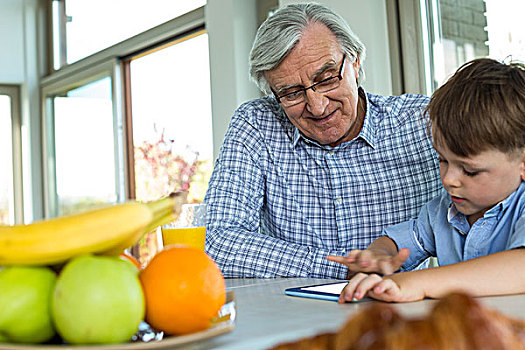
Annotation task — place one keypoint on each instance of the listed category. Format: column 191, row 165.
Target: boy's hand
column 395, row 288
column 370, row 260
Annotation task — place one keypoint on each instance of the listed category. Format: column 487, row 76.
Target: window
column 460, row 31
column 82, row 28
column 169, row 123
column 171, row 119
column 6, row 158
column 10, row 157
column 88, row 120
column 81, row 148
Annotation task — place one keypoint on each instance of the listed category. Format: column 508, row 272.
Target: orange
column 184, row 289
column 130, row 258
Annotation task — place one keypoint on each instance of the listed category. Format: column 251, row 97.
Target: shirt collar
column 452, row 211
column 367, row 132
column 297, row 136
column 504, row 204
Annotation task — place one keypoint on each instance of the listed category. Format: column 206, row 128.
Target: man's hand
column 371, row 260
column 394, row 288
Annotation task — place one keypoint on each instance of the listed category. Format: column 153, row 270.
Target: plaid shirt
column 279, row 203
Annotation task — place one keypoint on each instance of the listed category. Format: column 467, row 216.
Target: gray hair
column 279, row 34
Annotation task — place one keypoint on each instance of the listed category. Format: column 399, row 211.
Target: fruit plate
column 224, row 322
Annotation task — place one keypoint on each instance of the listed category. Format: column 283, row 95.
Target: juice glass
column 188, row 229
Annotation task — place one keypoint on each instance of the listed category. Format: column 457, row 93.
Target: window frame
column 87, row 76
column 125, row 63
column 421, row 37
column 413, row 45
column 17, row 212
column 110, row 62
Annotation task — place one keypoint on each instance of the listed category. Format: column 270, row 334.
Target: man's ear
column 356, row 65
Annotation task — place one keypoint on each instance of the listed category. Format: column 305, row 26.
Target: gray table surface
column 267, row 317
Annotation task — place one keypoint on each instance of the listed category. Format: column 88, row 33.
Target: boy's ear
column 523, row 167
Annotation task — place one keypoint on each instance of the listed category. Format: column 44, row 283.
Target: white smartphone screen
column 335, row 288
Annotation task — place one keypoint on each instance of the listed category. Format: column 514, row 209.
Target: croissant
column 457, row 322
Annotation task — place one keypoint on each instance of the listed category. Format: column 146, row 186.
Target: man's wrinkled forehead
column 318, row 47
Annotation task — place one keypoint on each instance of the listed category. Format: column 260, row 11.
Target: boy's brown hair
column 481, row 107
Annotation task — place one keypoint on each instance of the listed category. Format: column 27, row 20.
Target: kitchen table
column 266, row 317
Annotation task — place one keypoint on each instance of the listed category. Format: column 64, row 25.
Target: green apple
column 25, row 296
column 97, row 300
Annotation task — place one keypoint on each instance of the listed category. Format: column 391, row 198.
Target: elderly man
column 318, row 167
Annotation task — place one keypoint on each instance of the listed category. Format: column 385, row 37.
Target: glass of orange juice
column 189, row 228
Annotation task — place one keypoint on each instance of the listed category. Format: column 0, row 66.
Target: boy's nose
column 450, row 178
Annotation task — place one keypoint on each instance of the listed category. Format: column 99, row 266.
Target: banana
column 163, row 215
column 102, row 230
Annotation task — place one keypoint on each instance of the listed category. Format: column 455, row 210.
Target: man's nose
column 316, row 102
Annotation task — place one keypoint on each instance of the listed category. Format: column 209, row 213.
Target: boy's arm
column 495, row 274
column 384, row 245
column 381, row 256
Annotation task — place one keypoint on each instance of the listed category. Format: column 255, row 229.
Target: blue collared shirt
column 279, row 203
column 443, row 232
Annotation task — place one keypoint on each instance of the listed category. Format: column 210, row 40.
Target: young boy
column 476, row 228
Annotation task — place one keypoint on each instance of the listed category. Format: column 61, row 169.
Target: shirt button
column 339, row 200
column 331, row 153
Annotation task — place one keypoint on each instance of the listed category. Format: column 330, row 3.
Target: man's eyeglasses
column 298, row 95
